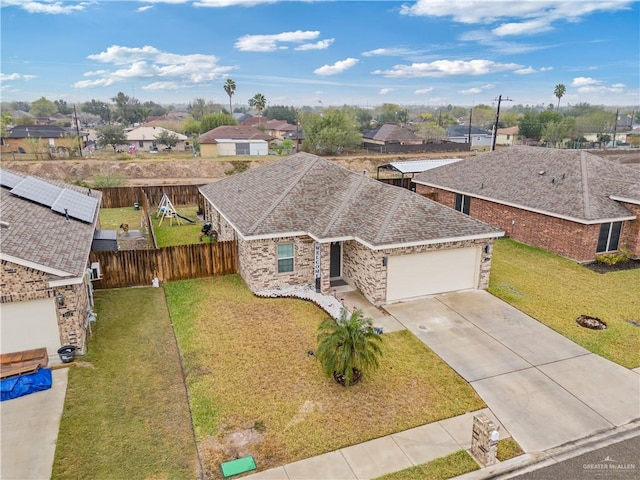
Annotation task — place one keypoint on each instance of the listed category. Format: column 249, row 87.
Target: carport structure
column 305, row 220
column 401, row 174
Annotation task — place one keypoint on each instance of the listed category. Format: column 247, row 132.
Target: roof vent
column 553, row 180
column 541, row 172
column 4, row 225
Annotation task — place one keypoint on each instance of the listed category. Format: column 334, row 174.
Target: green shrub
column 613, row 258
column 238, row 167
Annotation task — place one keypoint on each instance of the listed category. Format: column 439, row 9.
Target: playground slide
column 185, row 218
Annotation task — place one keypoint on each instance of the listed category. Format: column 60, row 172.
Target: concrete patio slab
column 511, row 327
column 329, row 465
column 29, row 427
column 277, row 473
column 460, row 427
column 608, row 388
column 538, row 412
column 423, row 444
column 637, row 370
column 467, row 349
column 376, row 458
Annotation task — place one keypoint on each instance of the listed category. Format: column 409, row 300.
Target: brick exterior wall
column 18, row 283
column 564, row 237
column 630, row 237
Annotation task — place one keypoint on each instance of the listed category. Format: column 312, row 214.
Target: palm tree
column 230, row 88
column 258, row 102
column 348, row 347
column 559, row 92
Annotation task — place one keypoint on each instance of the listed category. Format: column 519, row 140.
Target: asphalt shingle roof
column 566, row 183
column 390, row 132
column 306, row 194
column 233, row 132
column 38, row 234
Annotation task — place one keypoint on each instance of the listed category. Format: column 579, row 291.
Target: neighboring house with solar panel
column 304, row 220
column 40, row 139
column 45, row 277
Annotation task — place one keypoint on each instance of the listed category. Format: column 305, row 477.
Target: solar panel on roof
column 76, row 205
column 37, row 191
column 9, row 179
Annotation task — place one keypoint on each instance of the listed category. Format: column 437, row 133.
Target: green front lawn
column 126, row 413
column 247, row 365
column 555, row 291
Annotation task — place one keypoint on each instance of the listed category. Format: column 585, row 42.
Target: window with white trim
column 609, row 237
column 285, row 257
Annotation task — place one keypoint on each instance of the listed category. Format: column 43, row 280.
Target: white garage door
column 420, row 274
column 27, row 325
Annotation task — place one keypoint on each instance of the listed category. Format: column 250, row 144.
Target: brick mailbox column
column 484, row 440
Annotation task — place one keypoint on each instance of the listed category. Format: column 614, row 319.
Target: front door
column 335, row 263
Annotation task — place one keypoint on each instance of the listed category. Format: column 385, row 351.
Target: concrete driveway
column 29, row 431
column 545, row 389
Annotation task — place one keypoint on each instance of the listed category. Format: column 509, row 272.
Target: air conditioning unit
column 95, row 271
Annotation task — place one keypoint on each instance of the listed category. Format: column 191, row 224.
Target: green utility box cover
column 237, row 466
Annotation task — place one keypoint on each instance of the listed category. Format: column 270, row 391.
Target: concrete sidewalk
column 384, row 455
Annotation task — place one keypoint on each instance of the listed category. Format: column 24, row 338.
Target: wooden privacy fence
column 118, row 197
column 129, row 268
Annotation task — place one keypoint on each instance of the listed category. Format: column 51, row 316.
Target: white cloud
column 48, row 7
column 388, row 52
column 444, row 68
column 483, row 11
column 546, row 69
column 601, row 89
column 144, row 9
column 271, row 43
column 148, row 62
column 321, row 45
column 338, row 67
column 6, row 77
column 522, row 28
column 582, row 81
column 525, row 71
column 163, row 86
column 422, row 91
column 385, row 91
column 230, row 3
column 470, row 91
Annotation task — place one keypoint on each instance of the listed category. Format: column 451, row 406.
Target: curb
column 530, row 462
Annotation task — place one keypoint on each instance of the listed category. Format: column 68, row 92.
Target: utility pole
column 495, row 126
column 615, row 127
column 470, row 117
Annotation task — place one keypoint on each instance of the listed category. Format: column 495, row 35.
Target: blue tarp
column 15, row 387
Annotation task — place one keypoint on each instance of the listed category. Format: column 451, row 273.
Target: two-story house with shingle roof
column 570, row 202
column 46, row 233
column 304, row 220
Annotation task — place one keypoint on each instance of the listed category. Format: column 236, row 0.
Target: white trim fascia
column 35, row 266
column 534, row 210
column 481, row 236
column 66, row 281
column 618, row 198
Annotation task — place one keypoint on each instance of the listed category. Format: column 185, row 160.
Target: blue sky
column 426, row 52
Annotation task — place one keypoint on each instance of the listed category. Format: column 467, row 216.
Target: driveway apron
column 545, row 389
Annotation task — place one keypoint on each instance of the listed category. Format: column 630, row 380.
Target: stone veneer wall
column 564, row 237
column 259, row 263
column 18, row 284
column 220, row 225
column 363, row 268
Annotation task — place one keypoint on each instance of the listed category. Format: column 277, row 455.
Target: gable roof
column 390, row 132
column 39, row 237
column 307, row 195
column 37, row 131
column 233, row 132
column 571, row 184
column 150, row 133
